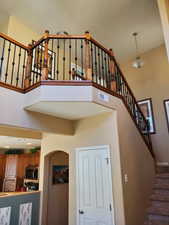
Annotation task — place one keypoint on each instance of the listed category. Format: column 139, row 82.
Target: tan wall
column 13, row 114
column 152, row 81
column 135, row 159
column 20, row 32
column 58, row 193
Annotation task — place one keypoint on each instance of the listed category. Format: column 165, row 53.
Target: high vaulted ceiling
column 111, row 22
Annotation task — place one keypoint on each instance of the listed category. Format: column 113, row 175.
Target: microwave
column 31, row 172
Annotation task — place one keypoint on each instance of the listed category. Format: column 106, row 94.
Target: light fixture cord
column 136, row 44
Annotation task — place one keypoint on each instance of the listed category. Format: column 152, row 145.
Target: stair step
column 162, row 169
column 160, row 197
column 163, row 175
column 156, row 210
column 161, row 186
column 156, row 222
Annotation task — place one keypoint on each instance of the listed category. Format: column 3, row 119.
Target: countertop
column 11, row 194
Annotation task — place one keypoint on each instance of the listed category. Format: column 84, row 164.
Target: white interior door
column 94, row 186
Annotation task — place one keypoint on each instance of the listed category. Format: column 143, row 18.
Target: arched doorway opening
column 57, row 195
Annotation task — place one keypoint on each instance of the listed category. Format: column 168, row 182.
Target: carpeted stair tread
column 156, row 222
column 160, row 197
column 163, row 175
column 156, row 210
column 161, row 186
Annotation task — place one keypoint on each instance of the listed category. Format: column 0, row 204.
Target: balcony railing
column 68, row 58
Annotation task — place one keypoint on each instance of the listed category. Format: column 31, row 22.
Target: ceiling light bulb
column 7, row 146
column 28, row 143
column 138, row 63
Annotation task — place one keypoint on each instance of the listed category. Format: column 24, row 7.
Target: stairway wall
column 152, row 81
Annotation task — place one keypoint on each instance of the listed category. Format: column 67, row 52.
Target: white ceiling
column 112, row 22
column 18, row 143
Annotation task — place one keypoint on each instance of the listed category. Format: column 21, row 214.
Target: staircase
column 158, row 213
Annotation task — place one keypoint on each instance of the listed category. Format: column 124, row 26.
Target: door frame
column 101, row 147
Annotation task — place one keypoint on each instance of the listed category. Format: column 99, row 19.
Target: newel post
column 88, row 69
column 113, row 85
column 45, row 64
column 28, row 70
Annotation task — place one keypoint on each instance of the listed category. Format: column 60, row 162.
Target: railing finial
column 111, row 52
column 88, row 35
column 46, row 34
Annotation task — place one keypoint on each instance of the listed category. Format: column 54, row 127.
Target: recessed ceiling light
column 7, row 146
column 28, row 143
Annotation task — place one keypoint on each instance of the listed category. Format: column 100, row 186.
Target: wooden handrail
column 55, row 36
column 129, row 89
column 4, row 36
column 101, row 46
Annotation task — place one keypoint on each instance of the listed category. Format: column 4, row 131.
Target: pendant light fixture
column 138, row 63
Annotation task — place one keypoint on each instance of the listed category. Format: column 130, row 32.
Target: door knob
column 81, row 211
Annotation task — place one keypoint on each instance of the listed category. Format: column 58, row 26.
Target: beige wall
column 152, row 81
column 13, row 114
column 136, row 162
column 20, row 32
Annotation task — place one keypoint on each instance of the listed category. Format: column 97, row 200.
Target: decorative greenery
column 14, row 151
column 35, row 149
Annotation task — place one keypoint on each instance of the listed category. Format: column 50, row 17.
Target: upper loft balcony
column 66, row 60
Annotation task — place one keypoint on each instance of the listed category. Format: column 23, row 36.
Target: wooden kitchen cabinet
column 15, row 169
column 2, row 169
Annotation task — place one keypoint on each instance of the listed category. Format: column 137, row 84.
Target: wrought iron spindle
column 70, row 59
column 13, row 64
column 82, row 63
column 99, row 66
column 96, row 70
column 23, row 66
column 19, row 60
column 91, row 52
column 102, row 69
column 58, row 51
column 51, row 62
column 106, row 71
column 7, row 66
column 2, row 58
column 64, row 59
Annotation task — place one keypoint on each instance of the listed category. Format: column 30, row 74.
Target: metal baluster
column 35, row 65
column 106, row 71
column 82, row 62
column 37, row 50
column 109, row 74
column 99, row 65
column 54, row 62
column 64, row 59
column 102, row 68
column 57, row 71
column 17, row 78
column 91, row 50
column 13, row 64
column 2, row 58
column 95, row 56
column 70, row 59
column 51, row 64
column 23, row 73
column 76, row 56
column 41, row 58
column 7, row 66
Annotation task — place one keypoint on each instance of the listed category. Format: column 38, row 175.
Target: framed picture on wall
column 166, row 107
column 60, row 174
column 147, row 110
